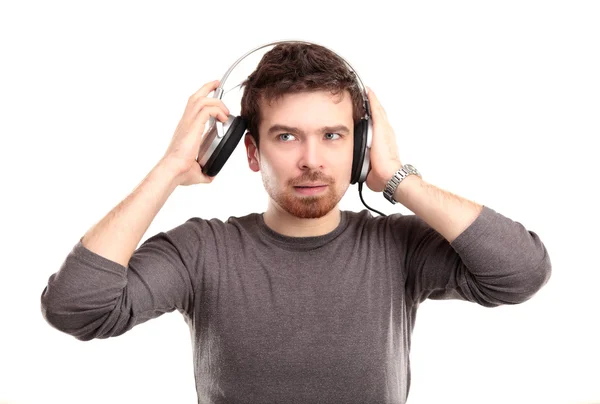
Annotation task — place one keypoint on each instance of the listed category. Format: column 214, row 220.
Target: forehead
column 297, row 108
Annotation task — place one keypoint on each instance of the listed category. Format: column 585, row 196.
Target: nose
column 311, row 157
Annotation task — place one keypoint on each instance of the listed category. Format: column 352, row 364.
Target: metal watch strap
column 396, row 179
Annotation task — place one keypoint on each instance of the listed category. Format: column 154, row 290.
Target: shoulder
column 214, row 228
column 364, row 219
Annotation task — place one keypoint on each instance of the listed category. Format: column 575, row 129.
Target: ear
column 252, row 152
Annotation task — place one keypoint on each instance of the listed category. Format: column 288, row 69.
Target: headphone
column 222, row 137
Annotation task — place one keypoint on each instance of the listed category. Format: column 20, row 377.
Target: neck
column 284, row 223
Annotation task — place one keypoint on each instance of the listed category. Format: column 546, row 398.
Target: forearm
column 447, row 213
column 117, row 235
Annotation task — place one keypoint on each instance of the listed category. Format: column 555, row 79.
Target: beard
column 305, row 206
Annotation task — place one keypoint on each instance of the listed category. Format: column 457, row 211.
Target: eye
column 335, row 134
column 284, row 134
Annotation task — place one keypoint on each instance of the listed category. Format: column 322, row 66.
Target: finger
column 200, row 121
column 376, row 106
column 214, row 112
column 205, row 89
column 207, row 102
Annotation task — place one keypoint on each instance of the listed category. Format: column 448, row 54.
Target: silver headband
column 220, row 90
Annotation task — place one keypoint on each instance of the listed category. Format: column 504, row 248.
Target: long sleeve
column 93, row 297
column 494, row 261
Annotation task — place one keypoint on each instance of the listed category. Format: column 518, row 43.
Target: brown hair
column 293, row 68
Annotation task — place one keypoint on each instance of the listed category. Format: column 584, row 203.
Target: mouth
column 310, row 190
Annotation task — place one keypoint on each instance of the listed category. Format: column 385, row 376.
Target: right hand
column 185, row 144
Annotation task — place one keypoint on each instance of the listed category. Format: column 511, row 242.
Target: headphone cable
column 360, row 185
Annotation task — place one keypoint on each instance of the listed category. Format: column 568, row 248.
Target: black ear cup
column 225, row 147
column 360, row 147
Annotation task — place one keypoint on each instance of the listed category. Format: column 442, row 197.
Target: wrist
column 169, row 171
column 404, row 188
column 390, row 171
column 399, row 181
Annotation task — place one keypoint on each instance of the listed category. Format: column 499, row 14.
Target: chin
column 308, row 207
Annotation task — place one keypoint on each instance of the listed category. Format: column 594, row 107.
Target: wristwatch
column 393, row 183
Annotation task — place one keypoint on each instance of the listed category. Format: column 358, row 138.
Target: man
column 303, row 303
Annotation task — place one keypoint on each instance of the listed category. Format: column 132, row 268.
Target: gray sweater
column 279, row 319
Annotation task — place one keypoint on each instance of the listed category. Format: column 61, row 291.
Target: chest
column 299, row 312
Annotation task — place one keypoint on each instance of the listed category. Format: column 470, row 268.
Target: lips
column 310, row 189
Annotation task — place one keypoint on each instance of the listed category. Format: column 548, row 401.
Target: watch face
column 411, row 169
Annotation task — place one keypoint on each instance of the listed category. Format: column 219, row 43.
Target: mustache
column 315, row 176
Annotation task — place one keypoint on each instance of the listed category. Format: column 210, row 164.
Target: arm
column 447, row 213
column 118, row 234
column 494, row 261
column 104, row 288
column 497, row 261
column 453, row 247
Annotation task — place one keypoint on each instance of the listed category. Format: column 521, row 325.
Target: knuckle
column 193, row 98
column 204, row 103
column 199, row 102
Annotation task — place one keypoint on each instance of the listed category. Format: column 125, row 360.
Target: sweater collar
column 301, row 243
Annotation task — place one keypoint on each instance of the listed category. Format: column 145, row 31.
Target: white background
column 498, row 102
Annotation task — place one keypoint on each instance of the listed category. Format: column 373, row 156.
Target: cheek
column 269, row 169
column 344, row 170
column 279, row 163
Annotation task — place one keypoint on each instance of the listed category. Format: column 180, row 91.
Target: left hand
column 385, row 160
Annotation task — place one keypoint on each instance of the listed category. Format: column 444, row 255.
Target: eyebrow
column 328, row 129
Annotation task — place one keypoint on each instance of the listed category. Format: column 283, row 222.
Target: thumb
column 376, row 107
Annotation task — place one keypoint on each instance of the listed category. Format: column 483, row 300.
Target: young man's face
column 305, row 139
